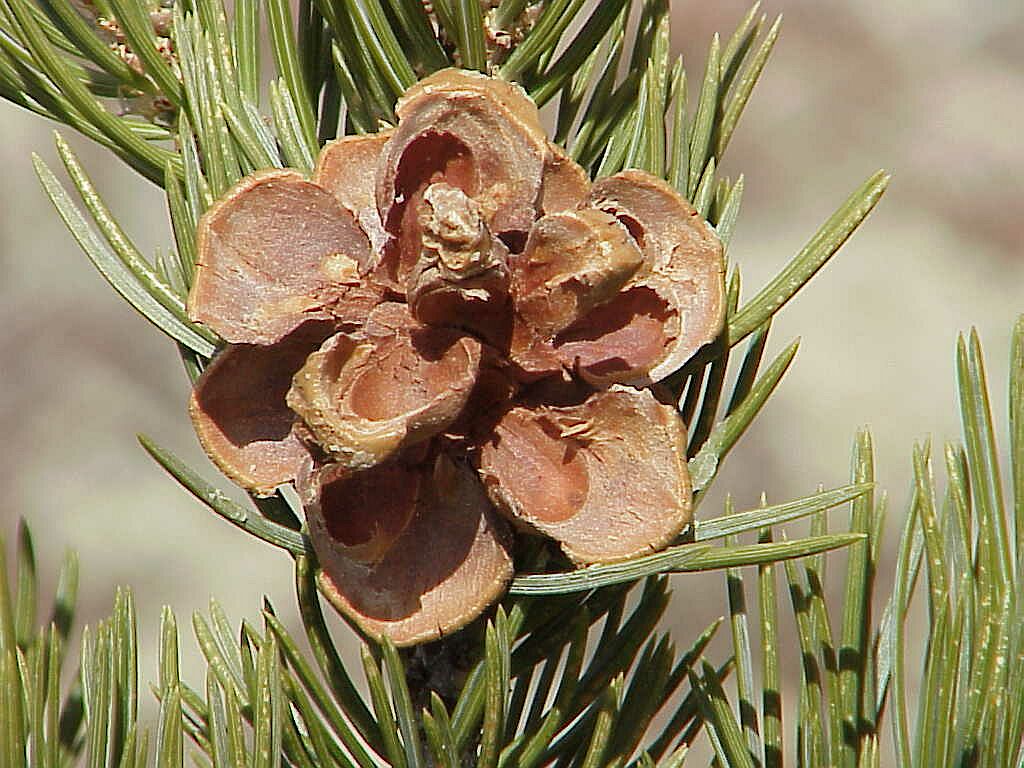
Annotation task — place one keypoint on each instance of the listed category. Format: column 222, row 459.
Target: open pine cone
column 447, row 328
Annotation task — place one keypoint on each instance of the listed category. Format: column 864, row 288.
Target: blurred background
column 932, row 91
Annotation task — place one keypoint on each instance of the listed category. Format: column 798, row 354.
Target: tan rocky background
column 933, row 91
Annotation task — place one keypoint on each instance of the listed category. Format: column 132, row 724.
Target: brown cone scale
column 684, row 265
column 396, row 383
column 573, row 262
column 565, row 184
column 450, row 562
column 363, row 512
column 461, row 276
column 478, row 133
column 239, row 412
column 347, row 169
column 275, row 252
column 623, row 339
column 607, row 479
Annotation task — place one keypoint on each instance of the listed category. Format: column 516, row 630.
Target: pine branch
column 181, row 101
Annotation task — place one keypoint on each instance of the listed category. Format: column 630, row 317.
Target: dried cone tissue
column 446, row 338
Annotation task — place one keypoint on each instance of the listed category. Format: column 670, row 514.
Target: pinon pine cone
column 448, row 329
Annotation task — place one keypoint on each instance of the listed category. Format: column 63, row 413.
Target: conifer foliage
column 570, row 667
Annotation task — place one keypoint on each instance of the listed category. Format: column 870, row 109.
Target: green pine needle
column 120, row 276
column 811, row 258
column 247, row 520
